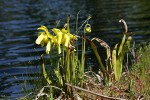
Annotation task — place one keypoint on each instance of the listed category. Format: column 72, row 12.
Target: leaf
column 44, row 71
column 119, row 66
column 122, row 44
column 103, row 44
column 58, row 75
column 67, row 67
column 127, row 44
column 114, row 61
column 125, row 48
column 94, row 48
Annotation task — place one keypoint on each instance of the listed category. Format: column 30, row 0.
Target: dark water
column 19, row 20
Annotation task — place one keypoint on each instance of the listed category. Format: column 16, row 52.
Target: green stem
column 72, row 67
column 82, row 60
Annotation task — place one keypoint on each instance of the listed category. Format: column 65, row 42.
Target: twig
column 98, row 77
column 27, row 95
column 107, row 97
column 41, row 93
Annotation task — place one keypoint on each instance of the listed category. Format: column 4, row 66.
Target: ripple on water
column 19, row 20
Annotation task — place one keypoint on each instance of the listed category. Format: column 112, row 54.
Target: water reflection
column 20, row 18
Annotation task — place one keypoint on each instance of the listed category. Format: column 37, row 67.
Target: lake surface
column 19, row 20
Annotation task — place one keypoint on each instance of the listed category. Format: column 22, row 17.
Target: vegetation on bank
column 140, row 71
column 66, row 77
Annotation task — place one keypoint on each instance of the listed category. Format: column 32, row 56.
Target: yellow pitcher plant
column 64, row 42
column 61, row 37
column 69, row 68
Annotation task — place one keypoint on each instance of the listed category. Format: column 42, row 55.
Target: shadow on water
column 19, row 20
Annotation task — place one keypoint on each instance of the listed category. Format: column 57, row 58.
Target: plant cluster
column 69, row 66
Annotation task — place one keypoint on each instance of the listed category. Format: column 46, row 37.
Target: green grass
column 141, row 69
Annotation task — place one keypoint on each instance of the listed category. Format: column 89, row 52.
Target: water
column 19, row 20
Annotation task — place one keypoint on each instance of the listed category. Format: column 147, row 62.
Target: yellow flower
column 48, row 47
column 42, row 39
column 88, row 28
column 58, row 39
column 59, row 35
column 67, row 37
column 44, row 28
column 66, row 41
column 39, row 39
column 62, row 37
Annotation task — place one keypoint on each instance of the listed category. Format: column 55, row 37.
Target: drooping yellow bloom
column 62, row 37
column 44, row 28
column 67, row 37
column 42, row 39
column 48, row 47
column 66, row 40
column 88, row 28
column 39, row 39
column 59, row 37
